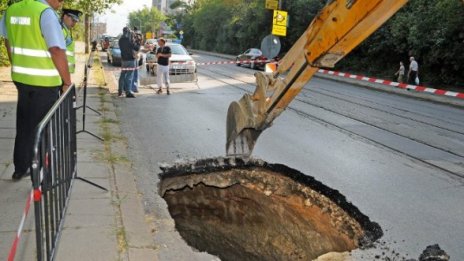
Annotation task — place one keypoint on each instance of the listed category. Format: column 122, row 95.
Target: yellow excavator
column 339, row 27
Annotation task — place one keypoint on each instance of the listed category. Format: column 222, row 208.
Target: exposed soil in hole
column 253, row 210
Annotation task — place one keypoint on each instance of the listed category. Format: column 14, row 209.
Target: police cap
column 74, row 14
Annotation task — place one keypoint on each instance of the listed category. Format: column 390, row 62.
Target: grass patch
column 117, row 159
column 109, row 120
column 98, row 72
column 122, row 240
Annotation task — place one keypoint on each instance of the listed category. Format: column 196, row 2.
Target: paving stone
column 90, row 244
column 93, row 170
column 98, row 206
column 137, row 254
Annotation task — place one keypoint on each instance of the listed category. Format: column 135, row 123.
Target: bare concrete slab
column 135, row 226
column 142, row 254
column 26, row 247
column 92, row 244
column 93, row 170
column 97, row 206
column 83, row 190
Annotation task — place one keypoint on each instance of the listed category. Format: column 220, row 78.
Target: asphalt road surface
column 400, row 160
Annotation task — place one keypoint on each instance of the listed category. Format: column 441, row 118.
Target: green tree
column 149, row 18
column 90, row 8
column 431, row 31
column 3, row 54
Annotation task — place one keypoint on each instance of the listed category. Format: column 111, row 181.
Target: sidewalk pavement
column 98, row 225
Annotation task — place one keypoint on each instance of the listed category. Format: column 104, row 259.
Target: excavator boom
column 339, row 27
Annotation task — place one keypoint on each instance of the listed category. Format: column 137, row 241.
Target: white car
column 180, row 63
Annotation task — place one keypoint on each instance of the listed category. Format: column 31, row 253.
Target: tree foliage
column 432, row 31
column 90, row 7
column 148, row 18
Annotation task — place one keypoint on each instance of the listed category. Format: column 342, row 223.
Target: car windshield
column 178, row 49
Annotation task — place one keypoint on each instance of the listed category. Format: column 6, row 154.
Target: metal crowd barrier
column 53, row 171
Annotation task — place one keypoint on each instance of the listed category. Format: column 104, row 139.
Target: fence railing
column 53, row 170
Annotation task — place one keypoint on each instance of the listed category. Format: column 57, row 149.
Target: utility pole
column 280, row 4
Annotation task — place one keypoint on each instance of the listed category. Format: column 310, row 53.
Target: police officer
column 39, row 68
column 69, row 18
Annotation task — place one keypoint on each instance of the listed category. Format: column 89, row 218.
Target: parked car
column 150, row 45
column 181, row 63
column 253, row 58
column 114, row 53
column 150, row 60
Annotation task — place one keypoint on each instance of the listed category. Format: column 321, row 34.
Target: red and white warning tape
column 35, row 195
column 417, row 88
column 236, row 62
column 198, row 63
column 14, row 246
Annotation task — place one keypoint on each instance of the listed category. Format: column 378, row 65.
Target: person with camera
column 128, row 47
column 137, row 39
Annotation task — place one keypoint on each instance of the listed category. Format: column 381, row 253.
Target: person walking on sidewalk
column 69, row 18
column 128, row 48
column 400, row 73
column 162, row 70
column 39, row 69
column 413, row 72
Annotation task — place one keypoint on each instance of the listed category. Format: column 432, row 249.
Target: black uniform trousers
column 33, row 104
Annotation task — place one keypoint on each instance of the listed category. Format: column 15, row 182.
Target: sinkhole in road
column 251, row 210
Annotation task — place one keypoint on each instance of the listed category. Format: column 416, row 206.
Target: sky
column 116, row 17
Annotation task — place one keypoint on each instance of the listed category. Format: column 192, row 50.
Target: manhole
column 252, row 210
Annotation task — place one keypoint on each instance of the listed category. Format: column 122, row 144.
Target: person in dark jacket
column 128, row 64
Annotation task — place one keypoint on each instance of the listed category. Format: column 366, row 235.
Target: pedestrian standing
column 413, row 72
column 69, row 18
column 163, row 53
column 39, row 69
column 400, row 73
column 128, row 63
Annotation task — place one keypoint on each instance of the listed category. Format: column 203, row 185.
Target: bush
column 3, row 55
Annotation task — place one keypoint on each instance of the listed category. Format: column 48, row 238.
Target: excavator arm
column 337, row 29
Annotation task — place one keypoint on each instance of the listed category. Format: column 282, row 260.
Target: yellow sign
column 279, row 23
column 272, row 4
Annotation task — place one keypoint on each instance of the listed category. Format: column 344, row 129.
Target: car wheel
column 237, row 62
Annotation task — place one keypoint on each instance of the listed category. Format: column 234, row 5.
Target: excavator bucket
column 246, row 118
column 338, row 28
column 240, row 138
